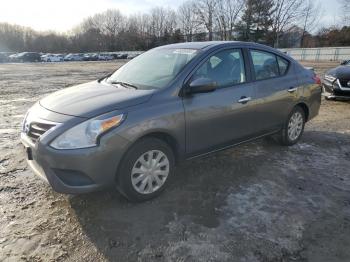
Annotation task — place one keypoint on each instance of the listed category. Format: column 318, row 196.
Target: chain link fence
column 319, row 54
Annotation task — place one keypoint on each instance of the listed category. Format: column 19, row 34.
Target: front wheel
column 293, row 128
column 145, row 169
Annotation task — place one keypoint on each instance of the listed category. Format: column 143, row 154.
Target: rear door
column 276, row 87
column 226, row 115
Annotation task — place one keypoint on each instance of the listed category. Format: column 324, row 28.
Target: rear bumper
column 76, row 171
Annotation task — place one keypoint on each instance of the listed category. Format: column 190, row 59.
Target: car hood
column 94, row 98
column 340, row 72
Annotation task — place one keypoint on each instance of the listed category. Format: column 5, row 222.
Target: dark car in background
column 26, row 57
column 169, row 104
column 90, row 57
column 122, row 56
column 336, row 82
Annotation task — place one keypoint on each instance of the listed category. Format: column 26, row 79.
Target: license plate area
column 29, row 153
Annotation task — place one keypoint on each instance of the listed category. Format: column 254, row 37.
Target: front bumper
column 335, row 90
column 79, row 170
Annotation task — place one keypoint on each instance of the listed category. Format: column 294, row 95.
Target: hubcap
column 295, row 126
column 150, row 171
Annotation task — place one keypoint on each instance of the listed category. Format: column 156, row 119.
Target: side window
column 282, row 64
column 226, row 68
column 265, row 64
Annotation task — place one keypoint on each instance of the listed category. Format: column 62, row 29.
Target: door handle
column 244, row 99
column 292, row 89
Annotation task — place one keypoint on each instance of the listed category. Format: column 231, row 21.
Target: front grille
column 37, row 129
column 344, row 83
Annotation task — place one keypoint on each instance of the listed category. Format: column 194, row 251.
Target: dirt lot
column 255, row 202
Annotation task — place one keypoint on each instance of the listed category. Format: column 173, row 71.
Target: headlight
column 86, row 134
column 336, row 84
column 330, row 78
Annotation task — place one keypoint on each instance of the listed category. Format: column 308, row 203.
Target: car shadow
column 198, row 189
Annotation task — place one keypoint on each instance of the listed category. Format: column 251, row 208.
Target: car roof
column 215, row 44
column 205, row 44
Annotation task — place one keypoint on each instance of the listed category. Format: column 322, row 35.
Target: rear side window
column 268, row 65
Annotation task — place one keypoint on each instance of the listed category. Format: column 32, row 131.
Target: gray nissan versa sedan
column 174, row 102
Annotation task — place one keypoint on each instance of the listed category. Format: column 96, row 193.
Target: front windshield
column 153, row 69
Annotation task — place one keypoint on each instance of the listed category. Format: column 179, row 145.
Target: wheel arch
column 166, row 137
column 305, row 108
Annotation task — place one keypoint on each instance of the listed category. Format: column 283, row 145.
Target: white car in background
column 74, row 57
column 52, row 58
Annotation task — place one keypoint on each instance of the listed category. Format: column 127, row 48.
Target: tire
column 289, row 138
column 145, row 185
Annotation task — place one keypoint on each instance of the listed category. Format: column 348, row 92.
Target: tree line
column 278, row 23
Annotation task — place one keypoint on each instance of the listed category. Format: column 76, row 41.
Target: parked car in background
column 74, row 57
column 130, row 128
column 105, row 57
column 26, row 57
column 336, row 82
column 122, row 56
column 115, row 55
column 90, row 57
column 52, row 58
column 12, row 58
column 345, row 62
column 119, row 56
column 132, row 56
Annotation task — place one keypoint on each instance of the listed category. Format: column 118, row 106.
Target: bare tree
column 205, row 11
column 227, row 13
column 114, row 22
column 286, row 13
column 311, row 14
column 345, row 9
column 170, row 21
column 256, row 20
column 187, row 19
column 141, row 22
column 158, row 16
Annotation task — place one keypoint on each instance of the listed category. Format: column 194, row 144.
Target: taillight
column 317, row 79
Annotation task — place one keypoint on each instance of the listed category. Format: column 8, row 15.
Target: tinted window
column 225, row 68
column 265, row 65
column 283, row 65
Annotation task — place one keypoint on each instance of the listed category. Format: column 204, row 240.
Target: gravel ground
column 255, row 202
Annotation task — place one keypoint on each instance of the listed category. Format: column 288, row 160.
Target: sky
column 63, row 15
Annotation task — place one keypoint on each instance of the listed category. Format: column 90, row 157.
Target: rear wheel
column 145, row 169
column 293, row 128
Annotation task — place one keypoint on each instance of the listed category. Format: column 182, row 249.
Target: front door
column 225, row 116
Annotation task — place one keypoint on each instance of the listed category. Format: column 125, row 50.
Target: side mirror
column 201, row 85
column 344, row 62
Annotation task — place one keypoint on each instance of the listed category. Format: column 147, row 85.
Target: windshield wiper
column 104, row 77
column 123, row 84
